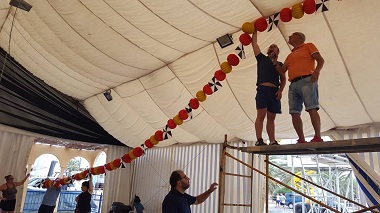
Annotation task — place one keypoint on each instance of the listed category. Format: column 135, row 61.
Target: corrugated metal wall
column 372, row 158
column 117, row 184
column 201, row 163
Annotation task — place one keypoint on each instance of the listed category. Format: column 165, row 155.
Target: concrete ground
column 273, row 209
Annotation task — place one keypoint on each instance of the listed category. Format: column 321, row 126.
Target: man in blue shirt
column 177, row 201
column 50, row 199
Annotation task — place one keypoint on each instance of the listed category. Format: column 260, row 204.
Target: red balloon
column 207, row 89
column 183, row 114
column 286, row 15
column 194, row 103
column 309, row 6
column 245, row 39
column 126, row 158
column 76, row 176
column 98, row 170
column 83, row 174
column 261, row 24
column 116, row 163
column 220, row 75
column 102, row 169
column 158, row 135
column 233, row 60
column 138, row 151
column 108, row 167
column 48, row 183
column 171, row 124
column 148, row 143
column 59, row 182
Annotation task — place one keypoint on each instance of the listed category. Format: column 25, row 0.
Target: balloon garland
column 261, row 24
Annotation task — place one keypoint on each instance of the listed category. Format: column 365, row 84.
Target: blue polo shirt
column 51, row 195
column 175, row 202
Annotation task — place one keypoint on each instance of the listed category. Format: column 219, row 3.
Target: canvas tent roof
column 155, row 55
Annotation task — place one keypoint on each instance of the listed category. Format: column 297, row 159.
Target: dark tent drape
column 28, row 103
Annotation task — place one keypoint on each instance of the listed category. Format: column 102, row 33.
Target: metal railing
column 66, row 202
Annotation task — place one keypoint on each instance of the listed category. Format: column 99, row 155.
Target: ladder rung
column 232, row 174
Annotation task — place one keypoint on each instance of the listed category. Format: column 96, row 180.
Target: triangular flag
column 70, row 181
column 240, row 51
column 55, row 181
column 189, row 111
column 40, row 183
column 322, row 5
column 273, row 21
column 167, row 132
column 214, row 84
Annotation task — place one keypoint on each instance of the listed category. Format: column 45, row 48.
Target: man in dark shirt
column 270, row 84
column 177, row 201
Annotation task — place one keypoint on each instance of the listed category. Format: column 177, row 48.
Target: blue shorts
column 266, row 98
column 303, row 92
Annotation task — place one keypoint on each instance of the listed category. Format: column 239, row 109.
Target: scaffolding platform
column 328, row 147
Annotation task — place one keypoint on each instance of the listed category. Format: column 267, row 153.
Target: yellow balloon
column 226, row 67
column 248, row 27
column 152, row 139
column 177, row 121
column 201, row 96
column 297, row 11
column 132, row 155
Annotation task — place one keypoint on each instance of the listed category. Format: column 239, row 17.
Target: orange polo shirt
column 300, row 62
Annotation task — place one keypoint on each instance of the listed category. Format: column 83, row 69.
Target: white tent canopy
column 155, row 55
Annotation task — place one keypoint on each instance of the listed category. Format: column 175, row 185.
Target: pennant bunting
column 40, row 183
column 215, row 84
column 70, row 181
column 240, row 51
column 273, row 21
column 167, row 132
column 322, row 5
column 55, row 181
column 189, row 111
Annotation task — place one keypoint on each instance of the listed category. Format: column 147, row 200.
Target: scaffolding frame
column 222, row 175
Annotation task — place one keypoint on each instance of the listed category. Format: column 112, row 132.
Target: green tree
column 73, row 165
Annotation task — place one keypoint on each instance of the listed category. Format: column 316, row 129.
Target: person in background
column 84, row 199
column 50, row 199
column 303, row 75
column 177, row 201
column 138, row 205
column 282, row 200
column 9, row 191
column 278, row 201
column 270, row 84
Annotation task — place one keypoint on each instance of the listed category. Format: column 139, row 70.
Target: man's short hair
column 174, row 178
column 275, row 45
column 301, row 35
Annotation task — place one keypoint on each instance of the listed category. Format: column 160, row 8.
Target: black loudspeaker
column 23, row 5
column 225, row 41
column 108, row 95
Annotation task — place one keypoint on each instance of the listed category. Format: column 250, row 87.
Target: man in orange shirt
column 303, row 75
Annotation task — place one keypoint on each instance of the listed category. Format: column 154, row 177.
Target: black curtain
column 27, row 103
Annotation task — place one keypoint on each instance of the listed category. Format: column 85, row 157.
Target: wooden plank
column 329, row 147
